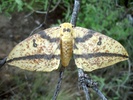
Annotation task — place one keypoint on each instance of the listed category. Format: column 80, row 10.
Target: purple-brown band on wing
column 45, row 36
column 99, row 54
column 85, row 37
column 37, row 56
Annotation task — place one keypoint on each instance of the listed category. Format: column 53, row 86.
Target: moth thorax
column 66, row 52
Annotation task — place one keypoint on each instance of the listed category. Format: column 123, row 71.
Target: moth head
column 66, row 30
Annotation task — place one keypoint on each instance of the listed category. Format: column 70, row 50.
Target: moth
column 46, row 50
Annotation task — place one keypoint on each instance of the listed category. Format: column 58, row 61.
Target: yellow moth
column 45, row 50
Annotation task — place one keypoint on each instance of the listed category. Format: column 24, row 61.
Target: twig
column 46, row 16
column 58, row 84
column 36, row 29
column 73, row 21
column 93, row 85
column 129, row 72
column 75, row 12
column 86, row 82
column 83, row 78
column 44, row 12
column 41, row 12
column 82, row 84
column 3, row 61
column 13, row 88
column 80, row 72
column 45, row 20
column 99, row 92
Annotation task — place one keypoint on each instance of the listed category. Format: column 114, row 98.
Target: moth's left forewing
column 93, row 50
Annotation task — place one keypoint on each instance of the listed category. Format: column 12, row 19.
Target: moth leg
column 3, row 61
column 89, row 83
column 56, row 92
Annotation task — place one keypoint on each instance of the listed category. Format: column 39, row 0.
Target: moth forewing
column 39, row 52
column 94, row 50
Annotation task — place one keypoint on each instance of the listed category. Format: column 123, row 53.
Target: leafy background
column 110, row 17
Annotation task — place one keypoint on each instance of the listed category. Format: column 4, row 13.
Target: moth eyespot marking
column 100, row 41
column 34, row 44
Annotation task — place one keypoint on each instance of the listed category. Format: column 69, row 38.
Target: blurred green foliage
column 105, row 16
column 10, row 6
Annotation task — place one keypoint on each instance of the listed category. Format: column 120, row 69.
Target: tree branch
column 59, row 83
column 3, row 61
column 75, row 12
column 85, row 82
